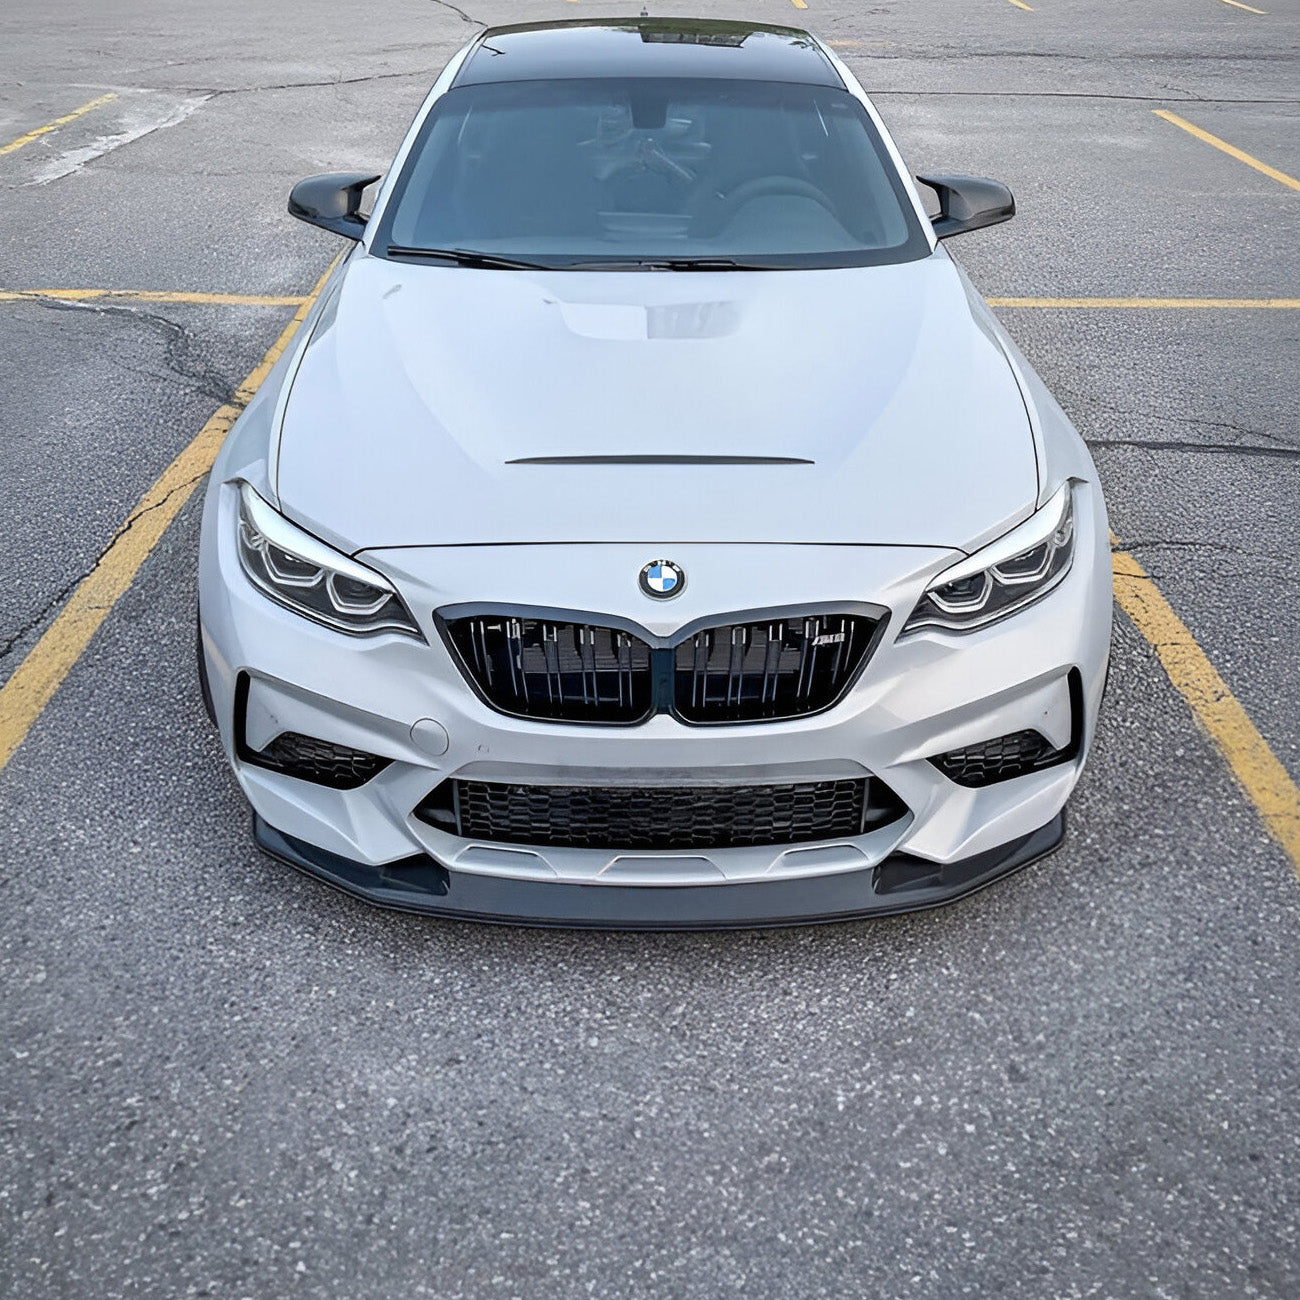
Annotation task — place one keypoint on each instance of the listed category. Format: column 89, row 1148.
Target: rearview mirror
column 968, row 203
column 332, row 201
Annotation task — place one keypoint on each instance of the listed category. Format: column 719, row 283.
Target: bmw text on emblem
column 663, row 579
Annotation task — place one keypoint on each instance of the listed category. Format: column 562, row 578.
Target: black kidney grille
column 575, row 672
column 737, row 672
column 641, row 817
column 783, row 668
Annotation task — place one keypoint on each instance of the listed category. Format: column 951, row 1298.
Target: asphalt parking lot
column 218, row 1078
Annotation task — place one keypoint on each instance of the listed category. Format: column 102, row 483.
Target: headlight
column 1005, row 576
column 313, row 579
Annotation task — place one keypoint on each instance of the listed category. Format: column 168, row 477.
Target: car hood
column 442, row 405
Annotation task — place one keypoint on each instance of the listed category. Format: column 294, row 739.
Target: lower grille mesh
column 691, row 817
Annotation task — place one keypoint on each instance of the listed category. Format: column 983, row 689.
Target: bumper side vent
column 320, row 761
column 1000, row 759
column 1016, row 754
column 306, row 757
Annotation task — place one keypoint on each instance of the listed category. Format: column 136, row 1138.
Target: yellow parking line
column 155, row 295
column 1266, row 782
column 1230, row 304
column 35, row 680
column 1250, row 9
column 54, row 126
column 1231, row 150
column 800, row 4
column 1020, row 4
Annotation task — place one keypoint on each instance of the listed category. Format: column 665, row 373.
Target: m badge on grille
column 663, row 579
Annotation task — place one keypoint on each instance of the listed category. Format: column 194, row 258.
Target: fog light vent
column 318, row 761
column 1000, row 759
column 307, row 757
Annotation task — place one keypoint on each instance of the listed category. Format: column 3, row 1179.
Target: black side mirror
column 332, row 201
column 968, row 203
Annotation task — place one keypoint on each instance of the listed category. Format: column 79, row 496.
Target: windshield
column 571, row 173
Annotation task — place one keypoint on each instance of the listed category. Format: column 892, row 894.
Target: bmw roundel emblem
column 663, row 579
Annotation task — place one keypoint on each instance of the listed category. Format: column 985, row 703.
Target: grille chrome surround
column 757, row 666
column 660, row 818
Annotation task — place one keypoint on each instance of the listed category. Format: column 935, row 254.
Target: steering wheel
column 764, row 186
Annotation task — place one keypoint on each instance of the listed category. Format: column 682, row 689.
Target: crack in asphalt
column 1225, row 548
column 12, row 640
column 1212, row 448
column 25, row 629
column 179, row 342
column 1161, row 577
column 460, row 13
column 216, row 91
column 1284, row 446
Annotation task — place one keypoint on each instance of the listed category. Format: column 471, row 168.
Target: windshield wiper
column 466, row 257
column 493, row 262
column 670, row 264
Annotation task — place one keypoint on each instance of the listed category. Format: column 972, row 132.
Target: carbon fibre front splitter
column 901, row 883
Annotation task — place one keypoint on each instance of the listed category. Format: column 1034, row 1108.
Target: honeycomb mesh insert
column 693, row 817
column 1000, row 759
column 318, row 761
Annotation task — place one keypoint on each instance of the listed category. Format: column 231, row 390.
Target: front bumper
column 901, row 883
column 920, row 697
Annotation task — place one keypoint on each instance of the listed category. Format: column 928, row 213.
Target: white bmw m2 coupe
column 650, row 525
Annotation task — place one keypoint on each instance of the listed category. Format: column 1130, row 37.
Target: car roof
column 647, row 47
